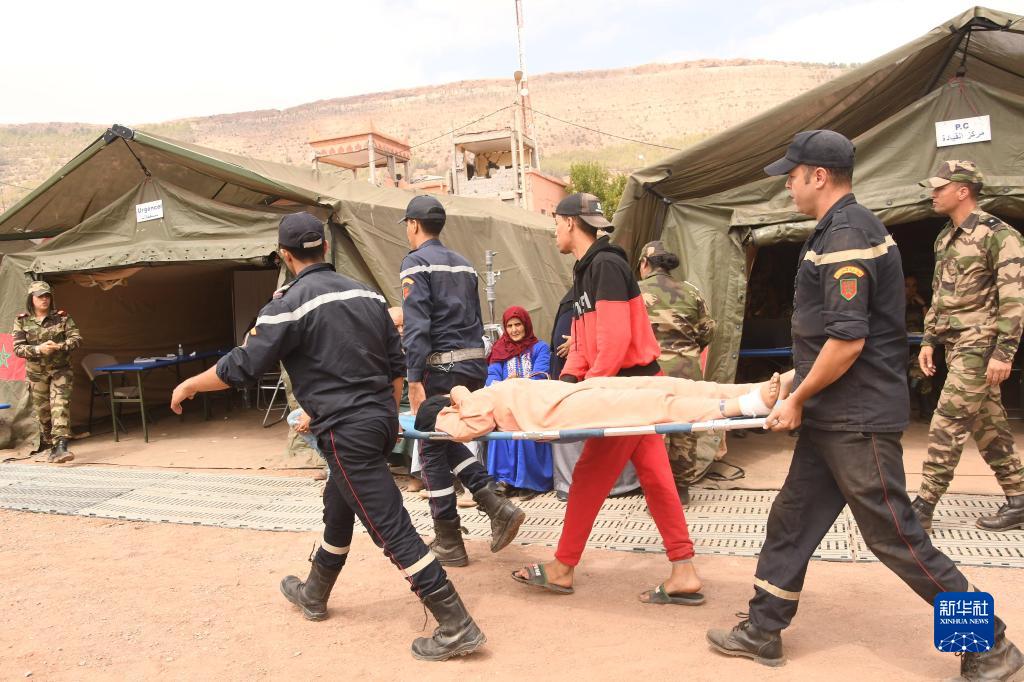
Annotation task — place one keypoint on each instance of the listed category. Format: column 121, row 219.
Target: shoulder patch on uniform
column 62, row 313
column 849, row 270
column 649, row 298
column 848, row 288
column 407, row 283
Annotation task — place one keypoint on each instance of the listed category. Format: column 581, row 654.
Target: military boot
column 455, row 635
column 749, row 641
column 506, row 518
column 60, row 454
column 684, row 494
column 1002, row 662
column 1009, row 516
column 447, row 544
column 924, row 510
column 312, row 595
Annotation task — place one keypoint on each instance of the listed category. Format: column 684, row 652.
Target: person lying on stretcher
column 604, row 402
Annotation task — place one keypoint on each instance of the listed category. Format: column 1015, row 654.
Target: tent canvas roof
column 988, row 43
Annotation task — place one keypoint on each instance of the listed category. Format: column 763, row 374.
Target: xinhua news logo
column 964, row 622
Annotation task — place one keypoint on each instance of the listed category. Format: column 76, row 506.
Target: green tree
column 594, row 178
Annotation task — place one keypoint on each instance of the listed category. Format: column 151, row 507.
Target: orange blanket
column 531, row 405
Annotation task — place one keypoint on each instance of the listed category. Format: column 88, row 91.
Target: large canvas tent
column 713, row 205
column 141, row 288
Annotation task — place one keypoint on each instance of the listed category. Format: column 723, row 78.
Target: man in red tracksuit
column 612, row 336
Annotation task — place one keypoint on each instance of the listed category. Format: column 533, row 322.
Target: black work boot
column 750, row 641
column 1002, row 662
column 59, row 454
column 455, row 635
column 44, row 446
column 506, row 518
column 1009, row 516
column 311, row 596
column 684, row 494
column 447, row 544
column 924, row 510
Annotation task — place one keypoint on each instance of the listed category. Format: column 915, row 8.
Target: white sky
column 146, row 62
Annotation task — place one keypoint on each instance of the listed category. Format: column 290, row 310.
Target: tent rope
column 137, row 159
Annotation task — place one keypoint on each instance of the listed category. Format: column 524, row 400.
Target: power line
column 602, row 132
column 445, row 134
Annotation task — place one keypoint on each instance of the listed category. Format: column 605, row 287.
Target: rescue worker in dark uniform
column 344, row 357
column 444, row 347
column 850, row 402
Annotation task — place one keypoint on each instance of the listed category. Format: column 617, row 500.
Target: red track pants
column 600, row 465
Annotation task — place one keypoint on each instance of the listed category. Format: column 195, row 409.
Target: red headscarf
column 505, row 348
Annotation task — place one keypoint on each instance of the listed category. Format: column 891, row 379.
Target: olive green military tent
column 153, row 243
column 714, row 206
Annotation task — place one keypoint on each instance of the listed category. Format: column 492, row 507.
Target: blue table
column 139, row 368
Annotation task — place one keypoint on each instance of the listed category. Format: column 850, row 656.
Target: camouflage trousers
column 969, row 407
column 682, row 447
column 50, row 393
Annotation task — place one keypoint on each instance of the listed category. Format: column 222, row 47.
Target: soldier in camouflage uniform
column 976, row 310
column 683, row 326
column 45, row 338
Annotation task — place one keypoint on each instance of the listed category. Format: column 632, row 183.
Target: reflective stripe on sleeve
column 314, row 303
column 851, row 254
column 416, row 269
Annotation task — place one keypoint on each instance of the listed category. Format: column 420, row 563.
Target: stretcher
column 569, row 435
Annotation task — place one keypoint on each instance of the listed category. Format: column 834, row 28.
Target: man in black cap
column 444, row 347
column 344, row 356
column 851, row 404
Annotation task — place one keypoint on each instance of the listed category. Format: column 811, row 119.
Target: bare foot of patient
column 771, row 389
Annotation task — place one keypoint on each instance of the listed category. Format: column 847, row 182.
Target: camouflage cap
column 954, row 171
column 39, row 288
column 655, row 248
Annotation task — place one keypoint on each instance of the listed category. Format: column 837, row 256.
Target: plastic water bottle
column 180, row 351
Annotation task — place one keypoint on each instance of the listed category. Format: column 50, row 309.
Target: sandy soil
column 88, row 599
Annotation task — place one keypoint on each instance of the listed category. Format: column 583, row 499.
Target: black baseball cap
column 587, row 207
column 817, row 148
column 300, row 231
column 424, row 207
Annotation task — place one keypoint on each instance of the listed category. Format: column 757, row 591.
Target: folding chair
column 272, row 381
column 97, row 390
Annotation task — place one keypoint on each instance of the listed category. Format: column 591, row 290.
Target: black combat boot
column 44, row 446
column 684, row 494
column 311, row 596
column 447, row 544
column 59, row 454
column 506, row 518
column 455, row 635
column 924, row 511
column 1002, row 662
column 750, row 641
column 1009, row 516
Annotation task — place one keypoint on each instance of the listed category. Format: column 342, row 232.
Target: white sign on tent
column 151, row 210
column 963, row 131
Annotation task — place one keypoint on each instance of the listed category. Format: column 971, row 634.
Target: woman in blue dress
column 522, row 468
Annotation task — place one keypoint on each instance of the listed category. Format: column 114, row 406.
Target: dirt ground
column 89, row 599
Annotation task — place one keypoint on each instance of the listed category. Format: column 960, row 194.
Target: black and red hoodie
column 611, row 333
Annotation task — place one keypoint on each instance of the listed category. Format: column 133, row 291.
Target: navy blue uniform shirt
column 337, row 342
column 441, row 307
column 849, row 285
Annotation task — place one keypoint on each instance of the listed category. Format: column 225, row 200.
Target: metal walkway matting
column 729, row 522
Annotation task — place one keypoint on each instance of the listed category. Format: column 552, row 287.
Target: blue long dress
column 523, row 464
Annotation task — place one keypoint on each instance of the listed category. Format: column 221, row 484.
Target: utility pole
column 524, row 90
